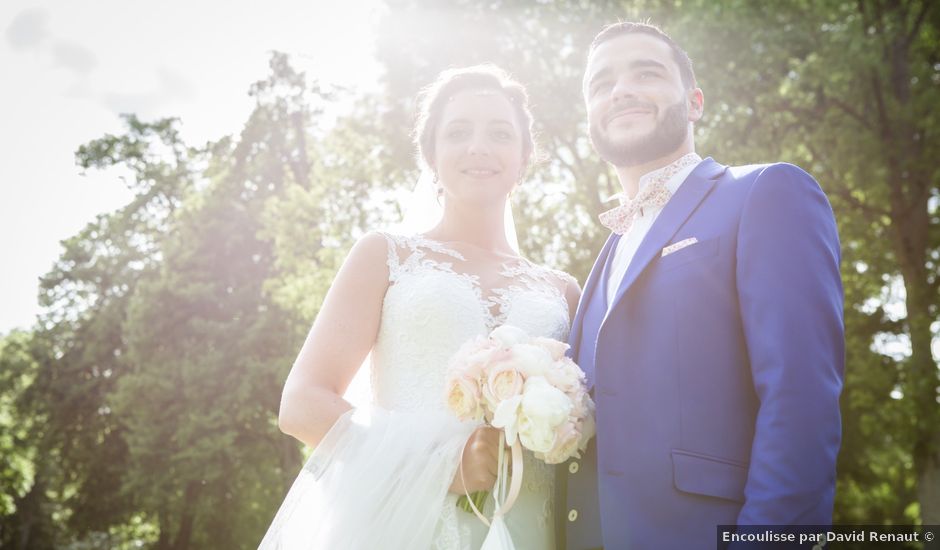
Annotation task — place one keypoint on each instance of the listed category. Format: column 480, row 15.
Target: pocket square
column 675, row 247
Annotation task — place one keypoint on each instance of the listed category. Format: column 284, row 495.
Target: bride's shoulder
column 562, row 277
column 371, row 249
column 395, row 240
column 564, row 283
column 569, row 287
column 399, row 251
column 373, row 242
column 565, row 277
column 562, row 280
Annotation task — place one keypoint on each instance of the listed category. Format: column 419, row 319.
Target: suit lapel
column 592, row 285
column 696, row 187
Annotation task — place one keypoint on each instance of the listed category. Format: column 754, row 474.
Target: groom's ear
column 696, row 103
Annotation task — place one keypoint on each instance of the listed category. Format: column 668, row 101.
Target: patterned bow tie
column 653, row 196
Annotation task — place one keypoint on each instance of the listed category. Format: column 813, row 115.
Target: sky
column 71, row 68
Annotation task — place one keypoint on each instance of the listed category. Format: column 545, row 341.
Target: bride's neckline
column 494, row 300
column 455, row 246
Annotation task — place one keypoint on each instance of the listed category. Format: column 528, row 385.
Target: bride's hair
column 435, row 96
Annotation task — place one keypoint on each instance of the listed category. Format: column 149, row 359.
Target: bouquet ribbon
column 514, row 487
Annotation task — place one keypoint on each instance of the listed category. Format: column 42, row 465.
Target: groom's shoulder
column 772, row 170
column 775, row 186
column 779, row 176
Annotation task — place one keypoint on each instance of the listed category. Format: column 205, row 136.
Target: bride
column 390, row 475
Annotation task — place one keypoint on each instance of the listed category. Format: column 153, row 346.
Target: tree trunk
column 928, row 487
column 163, row 541
column 921, row 388
column 911, row 222
column 185, row 533
column 26, row 510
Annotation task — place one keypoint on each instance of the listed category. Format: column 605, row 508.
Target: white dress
column 379, row 478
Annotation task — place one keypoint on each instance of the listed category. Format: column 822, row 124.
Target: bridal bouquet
column 529, row 389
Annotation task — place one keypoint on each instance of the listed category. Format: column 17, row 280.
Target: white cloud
column 73, row 56
column 170, row 87
column 28, row 31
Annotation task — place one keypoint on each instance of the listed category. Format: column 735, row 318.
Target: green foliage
column 141, row 409
column 17, row 449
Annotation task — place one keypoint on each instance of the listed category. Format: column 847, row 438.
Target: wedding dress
column 380, row 477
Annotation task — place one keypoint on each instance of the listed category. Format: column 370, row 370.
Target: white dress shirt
column 630, row 242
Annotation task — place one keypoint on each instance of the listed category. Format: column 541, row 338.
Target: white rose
column 509, row 336
column 506, row 417
column 530, row 360
column 545, row 405
column 567, row 440
column 536, row 436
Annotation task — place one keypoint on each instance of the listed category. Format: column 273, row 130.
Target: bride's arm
column 342, row 335
column 572, row 296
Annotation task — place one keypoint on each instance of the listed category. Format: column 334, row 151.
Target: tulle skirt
column 378, row 479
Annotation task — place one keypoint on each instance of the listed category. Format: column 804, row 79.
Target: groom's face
column 638, row 108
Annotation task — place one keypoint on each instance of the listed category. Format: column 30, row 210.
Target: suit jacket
column 717, row 370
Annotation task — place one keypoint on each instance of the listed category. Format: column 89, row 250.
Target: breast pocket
column 694, row 252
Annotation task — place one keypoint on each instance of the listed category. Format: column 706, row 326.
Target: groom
column 710, row 327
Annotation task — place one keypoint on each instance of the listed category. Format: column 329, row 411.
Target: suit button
column 572, row 515
column 573, row 467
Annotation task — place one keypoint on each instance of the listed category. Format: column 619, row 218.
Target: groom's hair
column 629, row 27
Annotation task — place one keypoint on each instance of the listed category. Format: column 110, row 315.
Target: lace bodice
column 434, row 304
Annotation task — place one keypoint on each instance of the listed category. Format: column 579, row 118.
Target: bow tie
column 653, row 196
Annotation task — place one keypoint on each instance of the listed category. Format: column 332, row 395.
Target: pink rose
column 567, row 440
column 578, row 405
column 588, row 423
column 463, row 398
column 471, row 358
column 554, row 347
column 565, row 375
column 502, row 382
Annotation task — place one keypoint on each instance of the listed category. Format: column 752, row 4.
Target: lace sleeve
column 393, row 261
column 566, row 278
column 556, row 278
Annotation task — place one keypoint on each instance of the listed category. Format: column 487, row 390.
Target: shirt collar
column 675, row 173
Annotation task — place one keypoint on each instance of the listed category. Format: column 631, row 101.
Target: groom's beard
column 665, row 138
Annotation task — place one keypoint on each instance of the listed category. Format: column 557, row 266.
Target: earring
column 438, row 188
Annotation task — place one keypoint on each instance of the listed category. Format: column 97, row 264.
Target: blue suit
column 717, row 370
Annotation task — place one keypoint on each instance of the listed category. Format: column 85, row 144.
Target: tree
column 77, row 347
column 848, row 91
column 23, row 519
column 209, row 347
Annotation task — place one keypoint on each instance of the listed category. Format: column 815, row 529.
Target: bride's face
column 478, row 151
